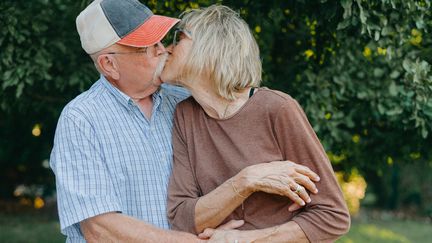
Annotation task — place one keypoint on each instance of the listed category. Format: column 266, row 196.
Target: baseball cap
column 126, row 22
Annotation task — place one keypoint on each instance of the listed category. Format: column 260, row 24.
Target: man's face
column 138, row 66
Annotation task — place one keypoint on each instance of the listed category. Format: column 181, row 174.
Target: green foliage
column 42, row 66
column 361, row 69
column 380, row 87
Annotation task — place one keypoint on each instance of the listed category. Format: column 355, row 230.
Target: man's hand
column 284, row 178
column 223, row 236
column 287, row 232
column 231, row 225
column 231, row 236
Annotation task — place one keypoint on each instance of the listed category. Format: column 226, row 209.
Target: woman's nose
column 160, row 48
column 170, row 48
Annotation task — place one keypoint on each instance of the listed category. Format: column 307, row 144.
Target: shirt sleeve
column 326, row 218
column 84, row 186
column 183, row 191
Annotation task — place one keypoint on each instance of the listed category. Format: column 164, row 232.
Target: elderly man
column 112, row 153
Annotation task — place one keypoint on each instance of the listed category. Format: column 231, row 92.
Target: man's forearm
column 116, row 227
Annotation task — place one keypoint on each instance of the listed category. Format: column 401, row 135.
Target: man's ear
column 109, row 67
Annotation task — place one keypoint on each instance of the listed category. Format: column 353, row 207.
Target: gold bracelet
column 235, row 189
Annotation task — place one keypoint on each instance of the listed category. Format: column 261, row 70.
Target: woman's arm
column 279, row 177
column 326, row 218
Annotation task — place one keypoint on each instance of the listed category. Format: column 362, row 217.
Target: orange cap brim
column 151, row 32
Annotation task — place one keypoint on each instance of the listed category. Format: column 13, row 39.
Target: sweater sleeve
column 183, row 192
column 326, row 218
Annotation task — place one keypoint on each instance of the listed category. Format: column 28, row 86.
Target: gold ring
column 298, row 189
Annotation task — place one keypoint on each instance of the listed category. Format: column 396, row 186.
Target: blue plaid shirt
column 108, row 156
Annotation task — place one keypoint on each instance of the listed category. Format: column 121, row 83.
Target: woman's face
column 180, row 48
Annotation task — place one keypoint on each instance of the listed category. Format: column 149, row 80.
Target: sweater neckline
column 243, row 107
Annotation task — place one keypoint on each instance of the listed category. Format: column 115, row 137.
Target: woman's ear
column 108, row 66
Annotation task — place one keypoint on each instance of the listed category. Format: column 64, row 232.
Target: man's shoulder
column 87, row 102
column 175, row 92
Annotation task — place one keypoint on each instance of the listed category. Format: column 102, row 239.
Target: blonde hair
column 223, row 50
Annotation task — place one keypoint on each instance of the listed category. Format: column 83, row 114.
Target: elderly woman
column 224, row 135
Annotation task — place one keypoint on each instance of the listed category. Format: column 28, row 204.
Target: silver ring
column 298, row 189
column 236, row 241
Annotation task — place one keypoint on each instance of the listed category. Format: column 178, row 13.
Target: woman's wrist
column 243, row 182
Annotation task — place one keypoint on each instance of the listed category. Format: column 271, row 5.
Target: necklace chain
column 226, row 109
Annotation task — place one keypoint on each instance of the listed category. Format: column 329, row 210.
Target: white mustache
column 160, row 66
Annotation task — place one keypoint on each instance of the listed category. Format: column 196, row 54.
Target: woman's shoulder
column 279, row 104
column 275, row 98
column 187, row 106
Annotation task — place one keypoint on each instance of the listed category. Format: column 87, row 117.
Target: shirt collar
column 127, row 101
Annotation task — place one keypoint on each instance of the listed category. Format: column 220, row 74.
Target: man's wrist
column 262, row 235
column 183, row 237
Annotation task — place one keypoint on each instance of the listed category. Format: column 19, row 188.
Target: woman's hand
column 284, row 178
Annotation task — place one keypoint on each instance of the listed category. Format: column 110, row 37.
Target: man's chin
column 157, row 81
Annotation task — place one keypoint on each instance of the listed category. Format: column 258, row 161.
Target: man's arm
column 117, row 227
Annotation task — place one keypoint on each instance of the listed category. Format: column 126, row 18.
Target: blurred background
column 361, row 69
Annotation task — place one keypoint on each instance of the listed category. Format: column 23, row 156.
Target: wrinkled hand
column 231, row 236
column 222, row 236
column 284, row 178
column 230, row 226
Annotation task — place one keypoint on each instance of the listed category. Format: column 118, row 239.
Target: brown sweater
column 271, row 126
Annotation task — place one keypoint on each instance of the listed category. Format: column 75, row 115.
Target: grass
column 29, row 228
column 40, row 228
column 388, row 231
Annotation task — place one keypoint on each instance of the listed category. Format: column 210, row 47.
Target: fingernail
column 316, row 190
column 318, row 178
column 309, row 200
column 302, row 203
